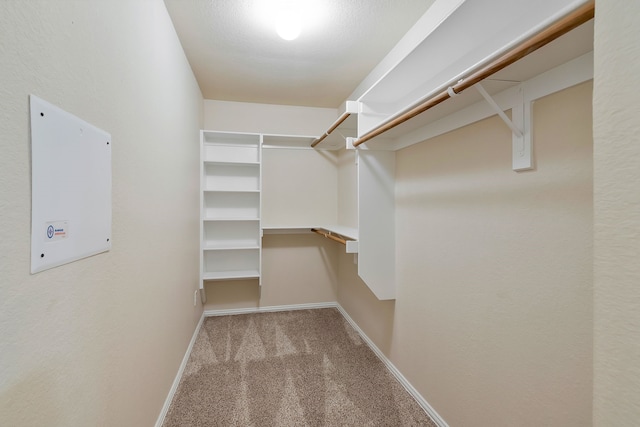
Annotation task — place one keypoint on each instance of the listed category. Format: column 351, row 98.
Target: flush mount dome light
column 289, row 17
column 288, row 25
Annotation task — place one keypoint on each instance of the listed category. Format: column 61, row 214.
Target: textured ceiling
column 237, row 58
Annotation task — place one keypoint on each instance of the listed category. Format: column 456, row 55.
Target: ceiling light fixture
column 288, row 24
column 289, row 17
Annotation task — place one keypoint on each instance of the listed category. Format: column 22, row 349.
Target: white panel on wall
column 70, row 187
column 376, row 222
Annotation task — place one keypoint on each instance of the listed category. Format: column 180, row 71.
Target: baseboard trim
column 440, row 422
column 232, row 311
column 176, row 381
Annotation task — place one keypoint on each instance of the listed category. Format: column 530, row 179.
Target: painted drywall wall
column 616, row 214
column 493, row 318
column 99, row 341
column 375, row 317
column 267, row 118
column 298, row 189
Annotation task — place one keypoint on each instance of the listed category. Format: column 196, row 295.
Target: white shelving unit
column 230, row 184
column 232, row 207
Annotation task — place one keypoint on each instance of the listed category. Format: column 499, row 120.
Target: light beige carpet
column 295, row 368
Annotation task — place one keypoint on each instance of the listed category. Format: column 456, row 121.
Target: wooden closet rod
column 329, row 235
column 549, row 34
column 333, row 127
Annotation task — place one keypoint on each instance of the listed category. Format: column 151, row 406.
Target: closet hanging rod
column 329, row 235
column 562, row 26
column 333, row 127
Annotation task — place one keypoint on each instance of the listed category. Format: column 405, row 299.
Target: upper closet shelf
column 349, row 234
column 451, row 42
column 286, row 141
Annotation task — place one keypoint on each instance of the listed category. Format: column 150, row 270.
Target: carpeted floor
column 295, row 368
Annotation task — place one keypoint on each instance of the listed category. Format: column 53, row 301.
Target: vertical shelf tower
column 230, row 186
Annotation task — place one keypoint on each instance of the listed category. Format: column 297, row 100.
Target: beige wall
column 373, row 316
column 299, row 187
column 98, row 342
column 493, row 317
column 267, row 118
column 617, row 214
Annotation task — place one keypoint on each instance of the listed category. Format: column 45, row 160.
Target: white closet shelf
column 348, row 232
column 286, row 141
column 245, row 144
column 220, row 219
column 416, row 80
column 232, row 163
column 232, row 275
column 230, row 246
column 230, row 191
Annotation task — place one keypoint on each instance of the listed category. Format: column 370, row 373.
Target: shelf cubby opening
column 231, row 177
column 231, row 205
column 231, row 234
column 231, row 263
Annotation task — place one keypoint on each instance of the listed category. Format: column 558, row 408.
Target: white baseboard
column 396, row 373
column 176, row 381
column 231, row 311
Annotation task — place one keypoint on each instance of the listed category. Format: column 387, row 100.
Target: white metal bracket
column 522, row 116
column 520, row 125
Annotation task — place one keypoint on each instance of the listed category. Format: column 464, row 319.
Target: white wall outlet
column 195, row 297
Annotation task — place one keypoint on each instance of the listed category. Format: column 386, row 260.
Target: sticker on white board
column 56, row 230
column 70, row 187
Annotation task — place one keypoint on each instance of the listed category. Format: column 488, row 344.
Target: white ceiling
column 237, row 58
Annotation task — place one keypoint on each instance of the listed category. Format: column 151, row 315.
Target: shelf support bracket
column 520, row 125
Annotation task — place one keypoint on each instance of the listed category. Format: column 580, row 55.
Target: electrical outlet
column 195, row 297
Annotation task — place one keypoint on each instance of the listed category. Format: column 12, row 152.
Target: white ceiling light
column 288, row 24
column 288, row 17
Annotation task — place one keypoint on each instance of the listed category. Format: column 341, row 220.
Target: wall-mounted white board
column 70, row 187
